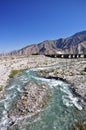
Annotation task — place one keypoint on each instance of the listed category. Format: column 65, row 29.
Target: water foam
column 68, row 100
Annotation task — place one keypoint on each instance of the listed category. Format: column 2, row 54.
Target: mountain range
column 75, row 44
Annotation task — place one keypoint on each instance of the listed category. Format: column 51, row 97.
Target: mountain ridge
column 75, row 44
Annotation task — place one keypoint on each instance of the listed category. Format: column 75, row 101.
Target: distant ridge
column 75, row 44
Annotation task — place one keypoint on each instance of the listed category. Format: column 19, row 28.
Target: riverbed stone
column 31, row 100
column 74, row 74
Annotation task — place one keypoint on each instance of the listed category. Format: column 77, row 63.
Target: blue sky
column 24, row 22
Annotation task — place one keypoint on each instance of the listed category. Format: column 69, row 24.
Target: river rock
column 31, row 100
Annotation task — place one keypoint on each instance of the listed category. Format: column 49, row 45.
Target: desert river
column 62, row 112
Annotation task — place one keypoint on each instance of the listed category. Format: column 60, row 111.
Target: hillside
column 75, row 44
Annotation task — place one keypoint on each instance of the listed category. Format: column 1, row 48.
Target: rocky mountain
column 75, row 44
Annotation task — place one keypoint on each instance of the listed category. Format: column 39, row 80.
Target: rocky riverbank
column 9, row 63
column 12, row 63
column 74, row 73
column 31, row 101
column 36, row 95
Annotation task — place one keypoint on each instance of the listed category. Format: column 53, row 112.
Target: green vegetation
column 14, row 73
column 56, row 72
column 82, row 72
column 1, row 88
column 71, row 74
column 44, row 72
column 85, row 69
column 82, row 126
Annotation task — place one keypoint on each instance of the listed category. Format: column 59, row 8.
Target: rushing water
column 62, row 112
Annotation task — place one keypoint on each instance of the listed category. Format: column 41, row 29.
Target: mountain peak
column 75, row 44
column 80, row 33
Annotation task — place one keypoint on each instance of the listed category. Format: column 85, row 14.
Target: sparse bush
column 82, row 73
column 14, row 73
column 43, row 71
column 71, row 74
column 85, row 69
column 56, row 72
column 1, row 88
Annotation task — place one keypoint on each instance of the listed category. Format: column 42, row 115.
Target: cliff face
column 75, row 44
